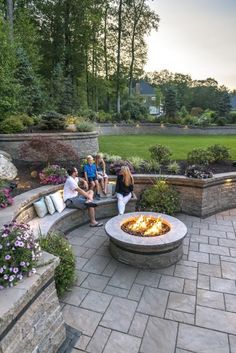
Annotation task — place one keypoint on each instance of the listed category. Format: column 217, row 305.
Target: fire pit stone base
column 146, row 252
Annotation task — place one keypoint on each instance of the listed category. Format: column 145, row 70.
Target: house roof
column 233, row 102
column 146, row 88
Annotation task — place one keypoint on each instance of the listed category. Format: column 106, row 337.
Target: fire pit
column 146, row 239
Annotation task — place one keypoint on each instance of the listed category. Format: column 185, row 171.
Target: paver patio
column 188, row 307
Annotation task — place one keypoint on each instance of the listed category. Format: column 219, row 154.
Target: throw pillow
column 49, row 204
column 40, row 208
column 58, row 201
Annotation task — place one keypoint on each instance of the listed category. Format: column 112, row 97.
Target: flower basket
column 18, row 253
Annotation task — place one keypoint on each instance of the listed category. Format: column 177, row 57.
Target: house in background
column 233, row 103
column 147, row 92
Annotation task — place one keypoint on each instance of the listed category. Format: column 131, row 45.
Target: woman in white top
column 75, row 197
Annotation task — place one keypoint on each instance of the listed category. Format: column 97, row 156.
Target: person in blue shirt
column 90, row 174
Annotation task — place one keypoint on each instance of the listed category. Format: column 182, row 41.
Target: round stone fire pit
column 146, row 251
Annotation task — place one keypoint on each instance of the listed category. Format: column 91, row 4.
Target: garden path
column 188, row 307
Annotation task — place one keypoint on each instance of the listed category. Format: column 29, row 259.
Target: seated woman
column 101, row 172
column 91, row 177
column 124, row 188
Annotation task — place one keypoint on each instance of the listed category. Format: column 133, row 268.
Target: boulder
column 6, row 154
column 7, row 169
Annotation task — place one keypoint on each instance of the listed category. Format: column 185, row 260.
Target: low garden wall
column 198, row 197
column 161, row 129
column 83, row 142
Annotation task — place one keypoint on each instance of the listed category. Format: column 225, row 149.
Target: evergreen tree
column 9, row 88
column 224, row 104
column 30, row 90
column 170, row 102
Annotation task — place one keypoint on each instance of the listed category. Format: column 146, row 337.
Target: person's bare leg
column 91, row 213
column 105, row 185
column 90, row 194
column 102, row 185
column 92, row 185
column 96, row 186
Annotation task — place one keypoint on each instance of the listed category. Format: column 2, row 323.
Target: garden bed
column 27, row 182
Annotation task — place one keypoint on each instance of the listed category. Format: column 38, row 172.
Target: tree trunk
column 137, row 15
column 118, row 57
column 10, row 12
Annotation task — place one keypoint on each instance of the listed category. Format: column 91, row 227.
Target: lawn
column 128, row 146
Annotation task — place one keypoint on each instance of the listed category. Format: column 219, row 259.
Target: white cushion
column 49, row 204
column 40, row 208
column 58, row 202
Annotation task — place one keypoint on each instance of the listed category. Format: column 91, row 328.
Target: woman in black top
column 124, row 188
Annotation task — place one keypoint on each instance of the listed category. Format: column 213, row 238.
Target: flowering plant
column 53, row 174
column 18, row 253
column 5, row 197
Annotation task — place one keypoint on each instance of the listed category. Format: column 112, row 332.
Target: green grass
column 128, row 146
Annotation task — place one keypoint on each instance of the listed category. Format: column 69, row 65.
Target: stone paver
column 160, row 336
column 189, row 307
column 196, row 339
column 119, row 314
column 153, row 302
column 122, row 343
column 210, row 299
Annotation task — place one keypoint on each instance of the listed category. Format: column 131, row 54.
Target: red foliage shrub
column 47, row 150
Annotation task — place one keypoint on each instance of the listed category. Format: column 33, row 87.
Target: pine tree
column 170, row 102
column 224, row 104
column 30, row 91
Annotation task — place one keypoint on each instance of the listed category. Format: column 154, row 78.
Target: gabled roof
column 146, row 88
column 233, row 102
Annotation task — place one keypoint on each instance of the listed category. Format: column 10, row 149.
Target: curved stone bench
column 23, row 211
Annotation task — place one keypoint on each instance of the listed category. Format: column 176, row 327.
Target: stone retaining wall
column 160, row 129
column 200, row 198
column 30, row 315
column 83, row 142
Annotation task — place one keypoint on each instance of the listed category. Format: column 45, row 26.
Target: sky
column 196, row 37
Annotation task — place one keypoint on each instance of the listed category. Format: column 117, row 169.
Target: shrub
column 47, row 149
column 204, row 120
column 196, row 111
column 199, row 156
column 104, row 117
column 189, row 120
column 160, row 153
column 5, row 197
column 232, row 117
column 136, row 162
column 116, row 166
column 137, row 110
column 152, row 166
column 198, row 172
column 161, row 197
column 111, row 158
column 221, row 121
column 65, row 273
column 53, row 174
column 84, row 126
column 173, row 167
column 18, row 255
column 11, row 125
column 26, row 119
column 52, row 121
column 219, row 153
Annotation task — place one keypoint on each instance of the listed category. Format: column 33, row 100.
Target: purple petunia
column 7, row 257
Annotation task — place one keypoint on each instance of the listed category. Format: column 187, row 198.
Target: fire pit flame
column 146, row 226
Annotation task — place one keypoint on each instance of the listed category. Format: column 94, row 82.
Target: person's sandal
column 96, row 225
